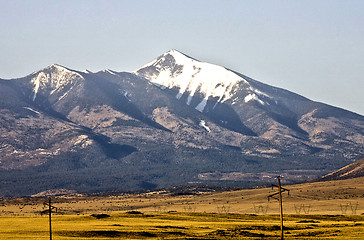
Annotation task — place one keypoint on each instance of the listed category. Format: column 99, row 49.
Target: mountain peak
column 54, row 78
column 176, row 70
column 57, row 67
column 179, row 56
column 109, row 71
column 175, row 52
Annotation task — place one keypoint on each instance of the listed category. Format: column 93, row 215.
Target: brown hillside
column 352, row 170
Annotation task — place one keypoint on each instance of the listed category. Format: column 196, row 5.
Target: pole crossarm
column 273, row 195
column 53, row 207
column 283, row 189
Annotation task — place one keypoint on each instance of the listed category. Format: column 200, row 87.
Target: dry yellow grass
column 320, row 210
column 177, row 225
column 333, row 197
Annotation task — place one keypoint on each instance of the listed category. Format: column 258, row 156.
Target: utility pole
column 280, row 190
column 50, row 218
column 280, row 205
column 50, row 207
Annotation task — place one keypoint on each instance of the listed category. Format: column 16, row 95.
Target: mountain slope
column 32, row 133
column 353, row 170
column 173, row 121
column 244, row 105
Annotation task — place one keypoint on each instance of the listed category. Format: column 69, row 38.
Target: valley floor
column 320, row 210
column 177, row 225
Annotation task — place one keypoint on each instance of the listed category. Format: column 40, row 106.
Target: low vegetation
column 178, row 225
column 322, row 210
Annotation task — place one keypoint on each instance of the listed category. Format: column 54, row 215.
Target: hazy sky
column 314, row 48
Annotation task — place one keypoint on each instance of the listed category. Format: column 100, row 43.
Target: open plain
column 316, row 210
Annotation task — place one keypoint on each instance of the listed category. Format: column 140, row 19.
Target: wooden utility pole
column 280, row 205
column 50, row 217
column 50, row 207
column 279, row 193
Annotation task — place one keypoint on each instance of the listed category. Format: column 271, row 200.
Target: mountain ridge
column 109, row 130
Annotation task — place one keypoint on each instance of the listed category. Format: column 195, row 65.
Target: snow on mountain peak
column 110, row 72
column 54, row 78
column 176, row 70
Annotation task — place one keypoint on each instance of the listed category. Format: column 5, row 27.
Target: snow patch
column 235, row 100
column 259, row 92
column 203, row 125
column 201, row 106
column 179, row 95
column 189, row 99
column 83, row 140
column 251, row 97
column 111, row 72
column 32, row 110
column 125, row 93
column 40, row 78
column 65, row 94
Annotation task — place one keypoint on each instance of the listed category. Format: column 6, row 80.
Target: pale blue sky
column 314, row 48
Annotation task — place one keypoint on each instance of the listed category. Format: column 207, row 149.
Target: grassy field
column 177, row 225
column 322, row 210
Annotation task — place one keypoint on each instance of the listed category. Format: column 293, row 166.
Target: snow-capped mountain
column 238, row 102
column 176, row 70
column 54, row 80
column 173, row 121
column 201, row 80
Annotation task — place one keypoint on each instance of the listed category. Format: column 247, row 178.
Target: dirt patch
column 100, row 216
